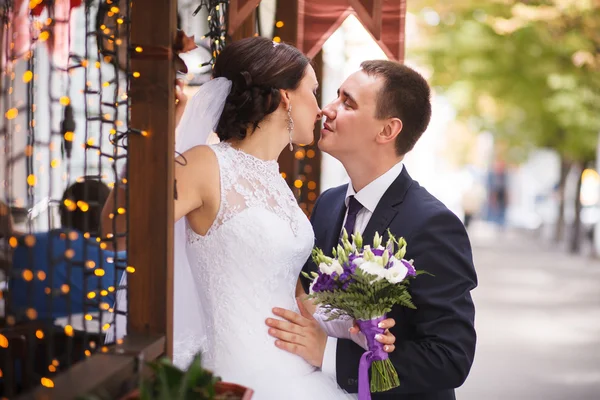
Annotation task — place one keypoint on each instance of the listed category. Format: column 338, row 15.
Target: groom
column 380, row 113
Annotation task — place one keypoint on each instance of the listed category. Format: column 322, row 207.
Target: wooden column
column 151, row 164
column 247, row 29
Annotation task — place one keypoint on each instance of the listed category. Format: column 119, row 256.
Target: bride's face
column 305, row 108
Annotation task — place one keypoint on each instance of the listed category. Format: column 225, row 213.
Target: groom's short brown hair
column 405, row 95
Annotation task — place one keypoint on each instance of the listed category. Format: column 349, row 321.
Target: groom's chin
column 323, row 145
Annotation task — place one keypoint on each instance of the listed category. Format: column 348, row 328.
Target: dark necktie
column 354, row 207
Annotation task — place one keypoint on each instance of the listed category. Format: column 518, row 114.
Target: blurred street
column 538, row 321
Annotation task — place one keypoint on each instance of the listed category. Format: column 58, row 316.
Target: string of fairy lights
column 85, row 101
column 80, row 94
column 217, row 26
column 73, row 111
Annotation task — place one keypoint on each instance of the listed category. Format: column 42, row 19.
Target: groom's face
column 350, row 126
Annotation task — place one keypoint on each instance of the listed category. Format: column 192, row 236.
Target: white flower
column 330, row 269
column 373, row 268
column 324, row 268
column 337, row 267
column 358, row 261
column 397, row 272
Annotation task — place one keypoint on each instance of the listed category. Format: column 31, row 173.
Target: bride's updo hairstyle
column 258, row 68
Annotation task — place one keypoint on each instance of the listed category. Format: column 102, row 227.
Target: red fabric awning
column 384, row 19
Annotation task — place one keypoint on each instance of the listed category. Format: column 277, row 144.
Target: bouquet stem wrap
column 383, row 374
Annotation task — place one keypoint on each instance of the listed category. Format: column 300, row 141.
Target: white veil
column 199, row 120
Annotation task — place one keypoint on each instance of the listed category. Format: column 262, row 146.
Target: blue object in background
column 70, row 266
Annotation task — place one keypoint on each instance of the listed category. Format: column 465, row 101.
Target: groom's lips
column 326, row 127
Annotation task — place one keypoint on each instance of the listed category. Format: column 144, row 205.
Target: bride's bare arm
column 299, row 289
column 195, row 172
column 196, row 175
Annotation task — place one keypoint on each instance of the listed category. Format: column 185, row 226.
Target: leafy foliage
column 526, row 71
column 353, row 291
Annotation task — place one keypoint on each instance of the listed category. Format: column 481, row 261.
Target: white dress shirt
column 369, row 197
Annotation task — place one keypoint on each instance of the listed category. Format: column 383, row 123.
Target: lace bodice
column 248, row 263
column 249, row 260
column 248, row 182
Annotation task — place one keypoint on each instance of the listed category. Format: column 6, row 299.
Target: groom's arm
column 437, row 345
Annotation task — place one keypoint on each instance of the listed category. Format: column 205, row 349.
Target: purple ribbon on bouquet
column 369, row 328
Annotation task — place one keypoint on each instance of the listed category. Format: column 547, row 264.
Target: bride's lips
column 326, row 128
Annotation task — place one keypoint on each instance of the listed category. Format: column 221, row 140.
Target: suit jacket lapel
column 387, row 208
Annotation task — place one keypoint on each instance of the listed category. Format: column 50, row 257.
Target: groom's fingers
column 284, row 326
column 291, row 316
column 387, row 338
column 312, row 351
column 299, row 335
column 387, row 323
column 291, row 348
column 288, row 337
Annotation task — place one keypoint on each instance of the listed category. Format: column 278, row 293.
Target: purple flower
column 349, row 267
column 378, row 252
column 411, row 269
column 324, row 283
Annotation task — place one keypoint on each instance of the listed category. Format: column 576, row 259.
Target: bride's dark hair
column 258, row 68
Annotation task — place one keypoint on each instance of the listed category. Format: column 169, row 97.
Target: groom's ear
column 390, row 131
column 285, row 98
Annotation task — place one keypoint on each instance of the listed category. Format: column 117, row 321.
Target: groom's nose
column 329, row 111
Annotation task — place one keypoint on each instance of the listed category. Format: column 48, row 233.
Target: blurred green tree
column 527, row 71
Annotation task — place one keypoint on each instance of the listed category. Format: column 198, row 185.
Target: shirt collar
column 370, row 195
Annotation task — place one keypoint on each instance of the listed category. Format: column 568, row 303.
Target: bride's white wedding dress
column 247, row 263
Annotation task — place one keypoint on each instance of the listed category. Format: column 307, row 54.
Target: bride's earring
column 290, row 126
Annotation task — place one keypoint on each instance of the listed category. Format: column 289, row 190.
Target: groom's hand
column 299, row 334
column 387, row 339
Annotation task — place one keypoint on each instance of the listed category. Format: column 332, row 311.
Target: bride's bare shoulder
column 199, row 156
column 197, row 179
column 198, row 167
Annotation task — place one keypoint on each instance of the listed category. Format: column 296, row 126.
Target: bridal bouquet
column 364, row 282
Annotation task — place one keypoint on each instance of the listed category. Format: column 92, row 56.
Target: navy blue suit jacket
column 435, row 344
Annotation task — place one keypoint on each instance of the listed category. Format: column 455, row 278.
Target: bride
column 244, row 240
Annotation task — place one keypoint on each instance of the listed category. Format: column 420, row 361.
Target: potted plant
column 198, row 383
column 195, row 383
column 170, row 382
